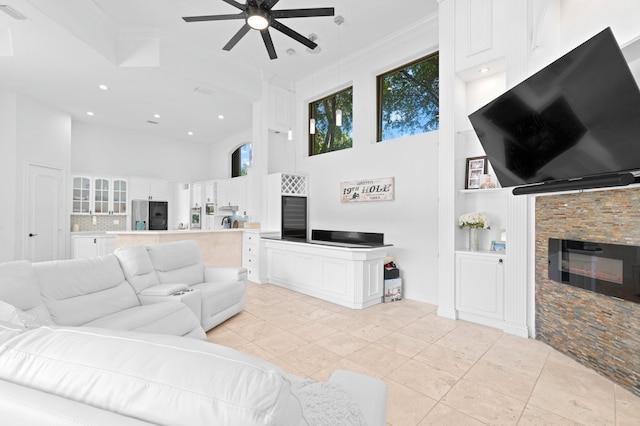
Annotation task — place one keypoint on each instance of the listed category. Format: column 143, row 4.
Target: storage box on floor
column 392, row 282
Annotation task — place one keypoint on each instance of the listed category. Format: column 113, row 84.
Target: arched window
column 241, row 160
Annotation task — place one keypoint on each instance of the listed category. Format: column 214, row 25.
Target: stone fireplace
column 599, row 331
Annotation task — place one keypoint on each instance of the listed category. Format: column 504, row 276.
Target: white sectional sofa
column 99, row 341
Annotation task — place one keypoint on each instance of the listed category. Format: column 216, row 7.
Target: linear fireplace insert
column 610, row 269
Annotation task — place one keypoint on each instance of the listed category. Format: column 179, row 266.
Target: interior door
column 44, row 223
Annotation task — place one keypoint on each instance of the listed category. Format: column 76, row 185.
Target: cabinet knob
column 500, row 261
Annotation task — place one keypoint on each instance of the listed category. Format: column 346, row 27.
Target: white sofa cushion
column 18, row 287
column 172, row 317
column 137, row 267
column 155, row 378
column 78, row 291
column 177, row 262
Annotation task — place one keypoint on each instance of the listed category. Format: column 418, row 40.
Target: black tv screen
column 577, row 117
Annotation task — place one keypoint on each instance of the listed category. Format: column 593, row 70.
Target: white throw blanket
column 325, row 403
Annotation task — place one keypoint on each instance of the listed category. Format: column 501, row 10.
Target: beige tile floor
column 438, row 371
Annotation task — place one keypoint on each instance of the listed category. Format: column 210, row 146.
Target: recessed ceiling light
column 221, row 117
column 103, row 87
column 90, row 113
column 190, row 133
column 484, row 70
column 156, row 115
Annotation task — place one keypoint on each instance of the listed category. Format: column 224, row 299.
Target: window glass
column 329, row 134
column 241, row 160
column 408, row 99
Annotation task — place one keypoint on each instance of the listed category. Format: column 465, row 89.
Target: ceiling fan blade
column 303, row 13
column 235, row 4
column 266, row 37
column 213, row 17
column 268, row 4
column 236, row 38
column 294, row 35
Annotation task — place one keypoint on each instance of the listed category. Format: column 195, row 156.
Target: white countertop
column 174, row 231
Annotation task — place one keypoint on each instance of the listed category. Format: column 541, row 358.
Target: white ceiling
column 152, row 61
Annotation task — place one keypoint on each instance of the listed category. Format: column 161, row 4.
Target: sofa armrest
column 217, row 273
column 163, row 289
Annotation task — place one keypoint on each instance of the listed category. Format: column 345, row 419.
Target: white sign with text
column 381, row 189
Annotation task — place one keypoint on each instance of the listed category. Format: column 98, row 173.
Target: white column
column 446, row 157
column 516, row 271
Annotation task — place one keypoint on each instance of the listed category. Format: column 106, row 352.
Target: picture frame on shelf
column 499, row 246
column 475, row 171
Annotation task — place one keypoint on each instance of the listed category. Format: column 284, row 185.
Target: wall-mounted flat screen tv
column 578, row 117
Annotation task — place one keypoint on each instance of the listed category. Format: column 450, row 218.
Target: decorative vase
column 473, row 239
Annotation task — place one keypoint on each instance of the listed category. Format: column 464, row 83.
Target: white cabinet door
column 480, row 284
column 210, row 191
column 196, row 194
column 158, row 190
column 148, row 189
column 81, row 195
column 84, row 246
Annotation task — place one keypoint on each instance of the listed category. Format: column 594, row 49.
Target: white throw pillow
column 11, row 314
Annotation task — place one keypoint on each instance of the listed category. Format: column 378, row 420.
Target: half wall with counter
column 219, row 248
column 348, row 276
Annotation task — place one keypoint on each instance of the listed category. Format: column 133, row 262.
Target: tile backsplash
column 103, row 223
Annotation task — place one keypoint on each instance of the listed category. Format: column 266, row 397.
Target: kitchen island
column 221, row 247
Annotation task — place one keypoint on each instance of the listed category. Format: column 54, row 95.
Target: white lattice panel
column 293, row 185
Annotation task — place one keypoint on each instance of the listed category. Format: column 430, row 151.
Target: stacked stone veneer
column 596, row 330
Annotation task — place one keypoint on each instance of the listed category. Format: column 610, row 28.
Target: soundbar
column 601, row 181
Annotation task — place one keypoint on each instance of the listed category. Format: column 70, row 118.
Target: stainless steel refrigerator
column 149, row 215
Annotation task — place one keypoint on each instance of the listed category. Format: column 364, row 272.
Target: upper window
column 333, row 128
column 408, row 99
column 241, row 160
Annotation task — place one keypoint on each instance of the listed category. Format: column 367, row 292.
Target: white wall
column 8, row 170
column 116, row 152
column 410, row 221
column 31, row 133
column 219, row 165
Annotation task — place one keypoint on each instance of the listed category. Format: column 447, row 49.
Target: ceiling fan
column 258, row 15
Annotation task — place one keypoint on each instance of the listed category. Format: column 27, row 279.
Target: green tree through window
column 328, row 136
column 408, row 99
column 240, row 160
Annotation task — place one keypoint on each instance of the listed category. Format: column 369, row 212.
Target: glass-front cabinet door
column 81, row 195
column 119, row 196
column 101, row 196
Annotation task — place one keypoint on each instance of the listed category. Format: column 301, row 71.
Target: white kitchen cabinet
column 99, row 195
column 351, row 277
column 232, row 191
column 480, row 287
column 253, row 256
column 210, row 191
column 92, row 245
column 196, row 194
column 149, row 189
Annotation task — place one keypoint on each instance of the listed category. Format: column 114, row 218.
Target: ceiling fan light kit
column 258, row 15
column 257, row 19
